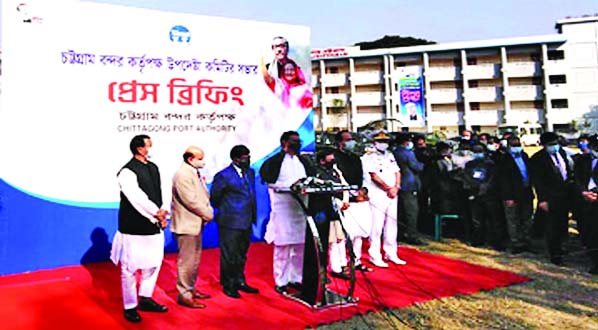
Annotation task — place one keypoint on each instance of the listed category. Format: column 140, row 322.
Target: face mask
column 465, row 138
column 491, row 147
column 149, row 153
column 583, row 145
column 243, row 163
column 478, row 155
column 553, row 149
column 381, row 146
column 350, row 145
column 198, row 163
column 409, row 146
column 503, row 143
column 294, row 146
column 329, row 165
column 516, row 150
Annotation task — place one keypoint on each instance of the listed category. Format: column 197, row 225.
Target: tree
column 393, row 41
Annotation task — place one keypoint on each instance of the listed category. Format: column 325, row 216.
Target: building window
column 472, row 61
column 474, row 105
column 476, row 128
column 473, row 84
column 333, row 90
column 460, row 107
column 457, row 62
column 400, row 64
column 559, row 103
column 405, row 129
column 332, row 69
column 557, row 79
column 556, row 54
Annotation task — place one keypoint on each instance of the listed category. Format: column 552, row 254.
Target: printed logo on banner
column 180, row 34
column 25, row 13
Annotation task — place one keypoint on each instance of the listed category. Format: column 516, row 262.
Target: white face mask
column 350, row 145
column 504, row 143
column 381, row 146
column 149, row 154
column 198, row 163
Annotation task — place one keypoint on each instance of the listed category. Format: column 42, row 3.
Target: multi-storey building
column 551, row 80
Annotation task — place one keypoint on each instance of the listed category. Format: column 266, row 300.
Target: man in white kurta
column 286, row 228
column 382, row 177
column 139, row 241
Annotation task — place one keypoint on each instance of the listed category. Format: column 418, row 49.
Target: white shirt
column 291, row 170
column 383, row 164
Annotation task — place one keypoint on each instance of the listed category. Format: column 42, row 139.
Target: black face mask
column 243, row 163
column 329, row 165
column 294, row 146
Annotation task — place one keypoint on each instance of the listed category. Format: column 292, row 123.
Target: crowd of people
column 490, row 183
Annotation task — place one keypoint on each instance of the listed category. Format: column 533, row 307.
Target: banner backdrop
column 409, row 103
column 80, row 79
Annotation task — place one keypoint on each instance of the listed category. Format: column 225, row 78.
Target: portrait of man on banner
column 410, row 105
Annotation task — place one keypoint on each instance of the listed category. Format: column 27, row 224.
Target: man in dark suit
column 552, row 177
column 586, row 180
column 233, row 193
column 515, row 193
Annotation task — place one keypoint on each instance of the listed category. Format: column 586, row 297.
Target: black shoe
column 246, row 288
column 295, row 285
column 149, row 305
column 131, row 315
column 363, row 268
column 342, row 276
column 233, row 293
column 557, row 261
column 281, row 289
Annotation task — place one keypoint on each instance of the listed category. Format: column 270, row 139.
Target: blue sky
column 345, row 22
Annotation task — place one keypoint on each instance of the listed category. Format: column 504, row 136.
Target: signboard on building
column 84, row 78
column 333, row 52
column 408, row 96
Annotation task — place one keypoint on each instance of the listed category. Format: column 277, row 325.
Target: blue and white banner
column 409, row 102
column 80, row 79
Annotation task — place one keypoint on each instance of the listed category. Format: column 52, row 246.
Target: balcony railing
column 440, row 73
column 482, row 71
column 335, row 100
column 444, row 95
column 367, row 78
column 525, row 115
column 484, row 94
column 368, row 98
column 445, row 118
column 485, row 117
column 334, row 79
column 523, row 69
column 525, row 93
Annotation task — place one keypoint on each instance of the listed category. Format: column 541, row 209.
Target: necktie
column 561, row 166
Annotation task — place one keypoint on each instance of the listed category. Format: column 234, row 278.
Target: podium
column 313, row 292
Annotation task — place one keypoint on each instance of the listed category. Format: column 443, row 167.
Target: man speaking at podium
column 286, row 228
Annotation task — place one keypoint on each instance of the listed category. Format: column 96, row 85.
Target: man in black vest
column 139, row 241
column 552, row 178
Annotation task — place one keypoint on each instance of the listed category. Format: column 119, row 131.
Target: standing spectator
column 357, row 218
column 479, row 183
column 233, row 193
column 579, row 200
column 286, row 228
column 515, row 194
column 139, row 241
column 552, row 177
column 425, row 155
column 586, row 180
column 191, row 210
column 410, row 187
column 383, row 181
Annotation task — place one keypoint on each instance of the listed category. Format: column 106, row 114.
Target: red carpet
column 88, row 297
